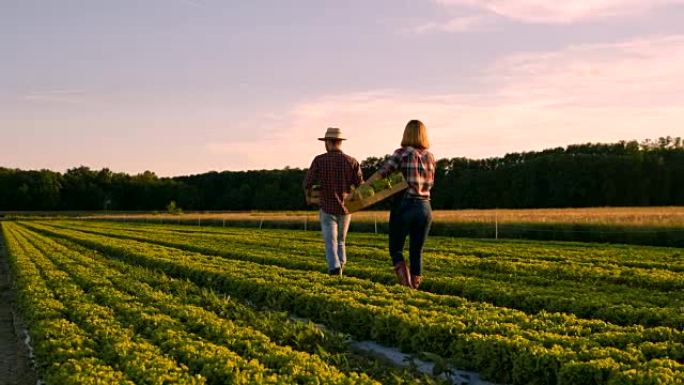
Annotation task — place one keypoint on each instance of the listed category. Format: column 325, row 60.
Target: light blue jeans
column 334, row 229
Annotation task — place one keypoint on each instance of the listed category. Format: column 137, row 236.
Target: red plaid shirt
column 336, row 172
column 417, row 166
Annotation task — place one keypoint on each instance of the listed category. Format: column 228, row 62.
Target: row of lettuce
column 98, row 320
column 505, row 345
column 556, row 279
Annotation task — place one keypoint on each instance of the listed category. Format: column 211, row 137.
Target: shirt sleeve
column 311, row 175
column 392, row 164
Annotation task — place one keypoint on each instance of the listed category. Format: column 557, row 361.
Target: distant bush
column 173, row 209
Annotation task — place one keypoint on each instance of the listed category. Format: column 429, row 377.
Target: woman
column 411, row 213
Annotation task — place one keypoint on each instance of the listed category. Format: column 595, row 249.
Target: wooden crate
column 353, row 204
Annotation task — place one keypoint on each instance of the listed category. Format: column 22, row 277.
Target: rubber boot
column 416, row 281
column 402, row 273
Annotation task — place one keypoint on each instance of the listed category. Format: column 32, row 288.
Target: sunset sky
column 190, row 86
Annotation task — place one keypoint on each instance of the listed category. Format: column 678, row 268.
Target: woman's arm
column 391, row 165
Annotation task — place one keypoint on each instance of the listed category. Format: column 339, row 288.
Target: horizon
column 182, row 86
column 565, row 147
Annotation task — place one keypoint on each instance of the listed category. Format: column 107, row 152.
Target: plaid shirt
column 418, row 168
column 336, row 172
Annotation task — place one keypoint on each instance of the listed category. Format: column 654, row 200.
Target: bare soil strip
column 15, row 366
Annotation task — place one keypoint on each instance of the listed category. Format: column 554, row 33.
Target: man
column 336, row 173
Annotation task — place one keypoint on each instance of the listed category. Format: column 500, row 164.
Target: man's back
column 336, row 172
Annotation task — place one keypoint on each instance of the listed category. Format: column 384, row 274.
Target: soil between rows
column 15, row 365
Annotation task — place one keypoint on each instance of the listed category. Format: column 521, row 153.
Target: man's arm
column 356, row 178
column 311, row 175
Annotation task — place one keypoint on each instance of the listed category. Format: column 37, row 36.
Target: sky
column 189, row 86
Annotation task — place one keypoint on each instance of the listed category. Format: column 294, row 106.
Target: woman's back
column 418, row 167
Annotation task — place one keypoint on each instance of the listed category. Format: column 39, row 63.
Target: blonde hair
column 415, row 135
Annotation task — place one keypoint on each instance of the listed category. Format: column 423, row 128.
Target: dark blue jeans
column 409, row 217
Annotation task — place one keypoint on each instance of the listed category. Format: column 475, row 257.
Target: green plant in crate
column 365, row 191
column 396, row 178
column 381, row 184
column 388, row 182
column 377, row 189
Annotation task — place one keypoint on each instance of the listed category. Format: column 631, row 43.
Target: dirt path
column 15, row 368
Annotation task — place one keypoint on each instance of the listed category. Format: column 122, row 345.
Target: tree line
column 627, row 173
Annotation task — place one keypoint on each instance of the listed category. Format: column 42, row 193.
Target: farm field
column 655, row 226
column 111, row 302
column 623, row 216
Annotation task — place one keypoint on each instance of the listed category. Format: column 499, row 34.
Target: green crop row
column 201, row 337
column 595, row 326
column 463, row 276
column 215, row 363
column 83, row 333
column 243, row 335
column 64, row 352
column 622, row 255
column 541, row 231
column 503, row 344
column 627, row 267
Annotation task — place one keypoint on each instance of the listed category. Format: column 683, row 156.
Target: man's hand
column 353, row 194
column 307, row 195
column 347, row 195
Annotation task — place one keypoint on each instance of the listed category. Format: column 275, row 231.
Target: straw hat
column 333, row 133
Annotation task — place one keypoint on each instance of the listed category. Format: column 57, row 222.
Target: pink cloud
column 589, row 93
column 61, row 96
column 639, row 73
column 458, row 24
column 551, row 12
